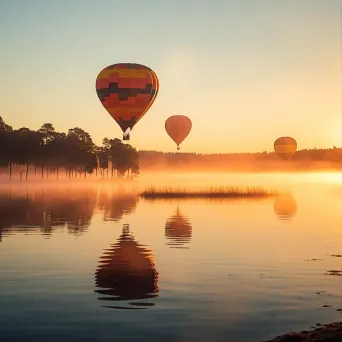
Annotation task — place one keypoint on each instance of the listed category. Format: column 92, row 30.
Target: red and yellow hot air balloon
column 285, row 147
column 127, row 91
column 178, row 128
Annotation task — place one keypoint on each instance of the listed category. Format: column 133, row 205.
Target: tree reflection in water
column 117, row 204
column 47, row 210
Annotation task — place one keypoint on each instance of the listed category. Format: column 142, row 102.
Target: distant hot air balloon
column 178, row 128
column 127, row 91
column 285, row 147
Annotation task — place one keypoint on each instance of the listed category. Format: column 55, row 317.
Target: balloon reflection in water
column 178, row 230
column 285, row 206
column 127, row 272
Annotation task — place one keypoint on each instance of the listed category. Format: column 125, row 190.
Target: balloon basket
column 125, row 137
column 178, row 148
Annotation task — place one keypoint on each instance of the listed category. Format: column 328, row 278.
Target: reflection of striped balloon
column 127, row 91
column 178, row 128
column 285, row 206
column 285, row 147
column 126, row 271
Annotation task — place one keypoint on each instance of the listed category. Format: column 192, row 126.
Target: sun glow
column 327, row 177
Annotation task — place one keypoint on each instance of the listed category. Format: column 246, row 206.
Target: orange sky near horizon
column 244, row 72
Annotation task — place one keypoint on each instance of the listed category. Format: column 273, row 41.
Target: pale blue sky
column 244, row 71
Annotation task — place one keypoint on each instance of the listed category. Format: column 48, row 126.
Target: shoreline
column 323, row 333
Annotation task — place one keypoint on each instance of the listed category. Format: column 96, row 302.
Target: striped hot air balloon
column 127, row 91
column 178, row 128
column 285, row 147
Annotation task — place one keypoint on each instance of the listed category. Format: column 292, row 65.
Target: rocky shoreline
column 323, row 333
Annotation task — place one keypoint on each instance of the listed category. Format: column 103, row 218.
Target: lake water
column 96, row 263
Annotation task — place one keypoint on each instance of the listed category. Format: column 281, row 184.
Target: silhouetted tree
column 80, row 155
column 22, row 146
column 75, row 151
column 47, row 131
column 124, row 157
column 5, row 131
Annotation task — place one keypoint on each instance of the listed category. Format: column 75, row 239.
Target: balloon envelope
column 178, row 128
column 127, row 91
column 285, row 147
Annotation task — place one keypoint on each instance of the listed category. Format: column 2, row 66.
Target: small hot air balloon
column 285, row 147
column 178, row 128
column 127, row 91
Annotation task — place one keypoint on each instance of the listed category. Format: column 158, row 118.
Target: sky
column 245, row 71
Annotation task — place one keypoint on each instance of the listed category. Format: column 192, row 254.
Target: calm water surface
column 95, row 262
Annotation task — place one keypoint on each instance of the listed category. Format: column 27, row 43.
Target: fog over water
column 91, row 260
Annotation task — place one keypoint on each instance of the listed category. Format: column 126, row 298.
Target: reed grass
column 212, row 192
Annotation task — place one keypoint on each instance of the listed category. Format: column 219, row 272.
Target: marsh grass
column 233, row 192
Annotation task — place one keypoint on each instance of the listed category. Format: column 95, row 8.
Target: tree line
column 49, row 151
column 302, row 159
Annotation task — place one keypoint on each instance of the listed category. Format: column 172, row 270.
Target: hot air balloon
column 285, row 206
column 178, row 128
column 285, row 147
column 127, row 91
column 178, row 230
column 127, row 272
